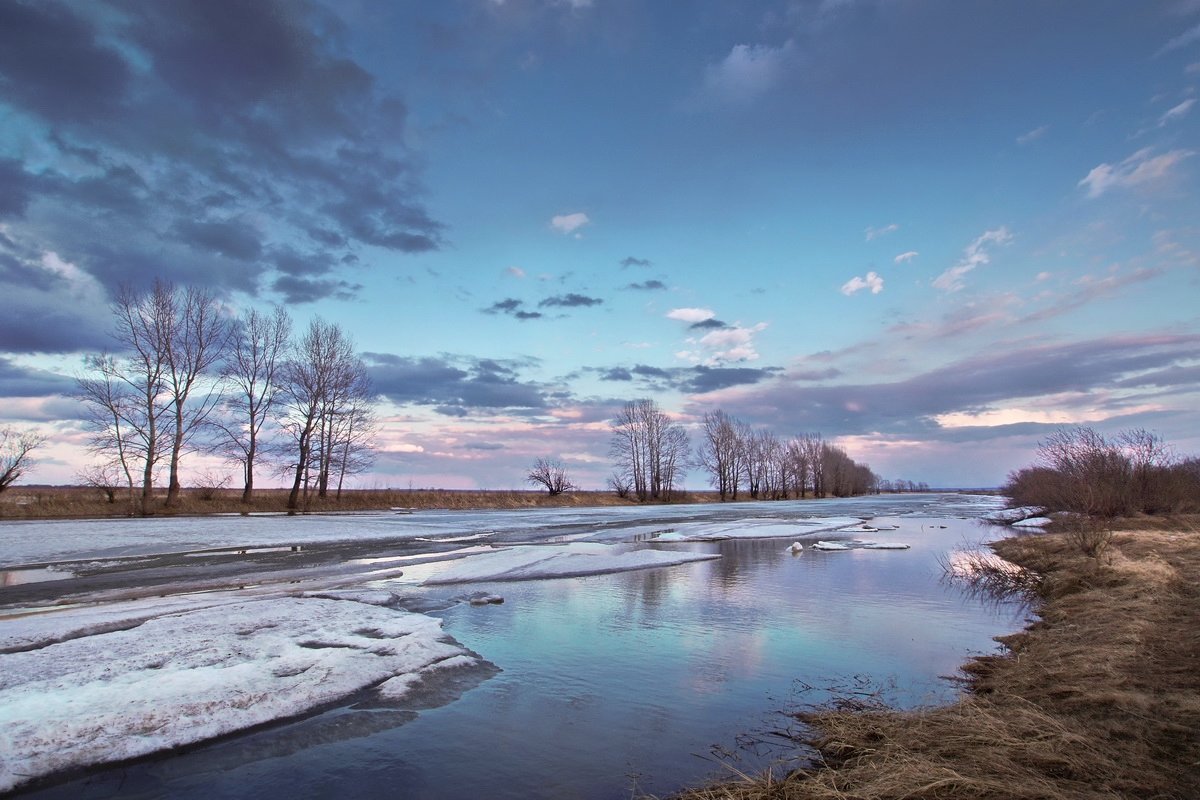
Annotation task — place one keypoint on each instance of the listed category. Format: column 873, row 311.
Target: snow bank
column 755, row 529
column 189, row 675
column 529, row 562
column 1033, row 522
column 1007, row 516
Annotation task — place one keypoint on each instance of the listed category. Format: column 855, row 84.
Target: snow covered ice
column 184, row 676
column 528, row 562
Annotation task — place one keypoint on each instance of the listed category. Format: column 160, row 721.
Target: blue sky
column 931, row 231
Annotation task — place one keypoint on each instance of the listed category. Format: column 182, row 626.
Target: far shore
column 1097, row 698
column 84, row 502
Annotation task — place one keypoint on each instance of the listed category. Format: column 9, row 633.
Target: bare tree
column 651, row 450
column 128, row 396
column 195, row 340
column 721, row 452
column 550, row 474
column 322, row 385
column 257, row 350
column 16, row 453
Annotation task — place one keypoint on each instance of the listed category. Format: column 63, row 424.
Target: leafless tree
column 196, row 335
column 16, row 453
column 721, row 452
column 258, row 347
column 550, row 474
column 651, row 450
column 146, row 402
column 128, row 396
column 321, row 384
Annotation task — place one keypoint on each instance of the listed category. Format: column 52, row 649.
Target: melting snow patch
column 1033, row 522
column 530, row 562
column 1007, row 516
column 189, row 675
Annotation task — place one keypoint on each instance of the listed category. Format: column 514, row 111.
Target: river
column 644, row 680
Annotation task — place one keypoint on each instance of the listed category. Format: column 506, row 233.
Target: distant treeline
column 1081, row 470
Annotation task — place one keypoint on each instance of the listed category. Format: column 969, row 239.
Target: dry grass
column 73, row 502
column 1098, row 699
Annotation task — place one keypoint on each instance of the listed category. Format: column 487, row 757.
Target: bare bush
column 1082, row 471
column 550, row 474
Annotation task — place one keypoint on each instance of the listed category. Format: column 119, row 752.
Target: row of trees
column 756, row 460
column 1083, row 471
column 652, row 453
column 188, row 377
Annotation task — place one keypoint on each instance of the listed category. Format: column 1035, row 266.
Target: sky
column 932, row 231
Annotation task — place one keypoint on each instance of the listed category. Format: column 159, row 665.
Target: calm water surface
column 616, row 681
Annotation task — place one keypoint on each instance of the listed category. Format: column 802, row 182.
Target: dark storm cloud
column 570, row 300
column 15, row 187
column 229, row 238
column 630, row 261
column 52, row 64
column 693, row 380
column 454, row 385
column 711, row 324
column 18, row 381
column 297, row 290
column 975, row 384
column 647, row 286
column 512, row 307
column 172, row 124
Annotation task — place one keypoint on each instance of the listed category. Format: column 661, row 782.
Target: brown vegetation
column 76, row 502
column 1082, row 471
column 1100, row 698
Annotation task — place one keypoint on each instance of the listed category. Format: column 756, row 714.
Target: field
column 1099, row 698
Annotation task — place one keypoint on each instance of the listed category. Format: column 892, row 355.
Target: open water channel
column 647, row 680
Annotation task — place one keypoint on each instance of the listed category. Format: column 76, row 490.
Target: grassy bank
column 75, row 502
column 1100, row 698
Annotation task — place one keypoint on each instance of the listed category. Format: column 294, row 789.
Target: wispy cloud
column 631, row 261
column 1176, row 112
column 1033, row 135
column 647, row 286
column 515, row 272
column 856, row 284
column 976, row 255
column 569, row 223
column 746, row 73
column 904, row 258
column 1139, row 169
column 1182, row 40
column 875, row 233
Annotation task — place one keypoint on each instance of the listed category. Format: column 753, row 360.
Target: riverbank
column 1099, row 698
column 80, row 502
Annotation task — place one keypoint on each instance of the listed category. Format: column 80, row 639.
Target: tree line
column 652, row 454
column 188, row 377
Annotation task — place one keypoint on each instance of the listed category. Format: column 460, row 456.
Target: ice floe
column 529, row 562
column 755, row 529
column 1032, row 522
column 1007, row 516
column 173, row 675
column 858, row 544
